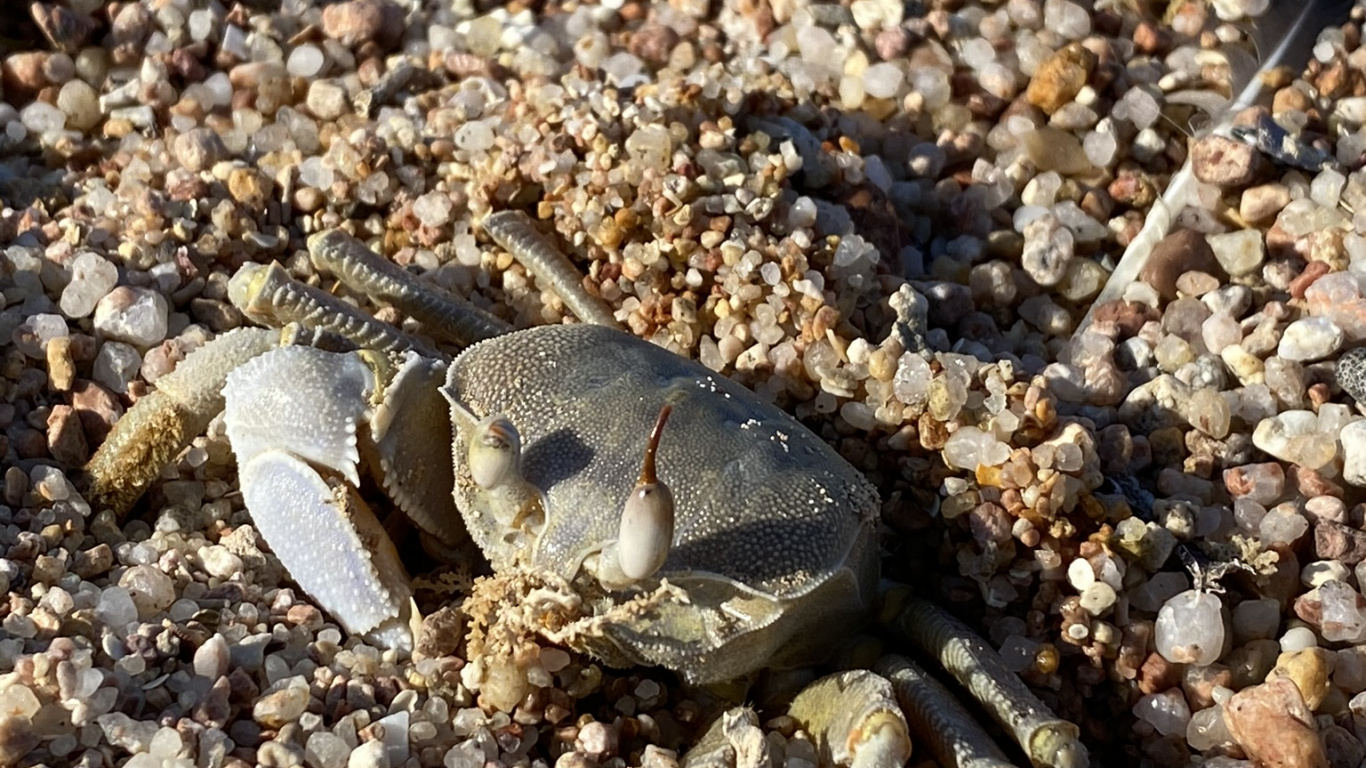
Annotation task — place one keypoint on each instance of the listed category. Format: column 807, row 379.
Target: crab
column 632, row 504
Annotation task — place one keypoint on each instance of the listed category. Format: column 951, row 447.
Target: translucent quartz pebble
column 1294, row 436
column 1343, row 620
column 1309, row 339
column 1166, row 711
column 1353, row 437
column 1207, row 730
column 92, row 276
column 299, row 398
column 1190, row 628
column 970, row 447
column 310, row 527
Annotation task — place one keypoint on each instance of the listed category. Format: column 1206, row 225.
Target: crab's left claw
column 292, row 417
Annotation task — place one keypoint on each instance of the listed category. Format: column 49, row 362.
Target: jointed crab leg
column 937, row 720
column 854, row 720
column 1049, row 741
column 513, row 231
column 361, row 270
column 154, row 431
column 268, row 295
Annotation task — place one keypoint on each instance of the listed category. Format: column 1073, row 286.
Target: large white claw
column 331, row 543
column 301, row 399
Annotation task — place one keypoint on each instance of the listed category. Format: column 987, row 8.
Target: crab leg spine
column 362, row 271
column 513, row 231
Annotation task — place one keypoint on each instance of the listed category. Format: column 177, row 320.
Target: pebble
column 275, row 710
column 1273, row 726
column 151, row 590
column 1310, row 339
column 1060, row 77
column 1223, row 162
column 211, row 659
column 360, row 21
column 1310, row 670
column 1182, row 251
column 1190, row 628
column 137, row 316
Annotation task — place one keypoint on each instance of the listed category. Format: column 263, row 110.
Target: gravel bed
column 1160, row 521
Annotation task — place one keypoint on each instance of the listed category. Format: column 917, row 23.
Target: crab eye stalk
column 495, row 451
column 647, row 517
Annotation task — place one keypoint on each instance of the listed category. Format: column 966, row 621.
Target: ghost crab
column 766, row 536
column 632, row 504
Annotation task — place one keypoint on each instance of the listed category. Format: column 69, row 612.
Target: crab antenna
column 647, row 517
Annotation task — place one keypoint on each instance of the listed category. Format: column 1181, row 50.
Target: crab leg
column 268, row 295
column 1048, row 740
column 347, row 259
column 854, row 720
column 514, row 232
column 161, row 424
column 937, row 719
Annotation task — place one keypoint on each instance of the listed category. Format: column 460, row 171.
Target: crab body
column 774, row 533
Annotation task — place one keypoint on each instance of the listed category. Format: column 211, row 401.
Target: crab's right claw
column 292, row 417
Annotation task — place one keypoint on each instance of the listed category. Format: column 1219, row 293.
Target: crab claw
column 332, row 545
column 292, row 417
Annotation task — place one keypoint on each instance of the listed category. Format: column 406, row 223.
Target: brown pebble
column 249, row 187
column 1274, row 727
column 1059, row 78
column 1182, row 251
column 1157, row 674
column 1335, row 541
column 361, row 21
column 653, row 43
column 61, row 369
column 65, row 438
column 97, row 409
column 1312, row 271
column 89, row 563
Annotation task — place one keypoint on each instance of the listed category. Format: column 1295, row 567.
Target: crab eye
column 495, row 451
column 647, row 517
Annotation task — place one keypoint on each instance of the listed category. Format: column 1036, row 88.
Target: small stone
column 1309, row 669
column 1166, row 711
column 371, row 754
column 1273, row 726
column 1239, row 253
column 1310, row 339
column 211, row 659
column 65, row 437
column 1180, row 252
column 1059, row 78
column 1048, row 248
column 360, row 21
column 152, row 590
column 326, row 750
column 81, row 104
column 1190, row 628
column 115, row 608
column 1223, row 162
column 137, row 316
column 199, row 149
column 284, row 706
column 1053, row 149
column 1260, row 204
column 251, row 187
